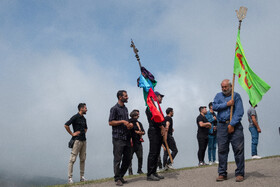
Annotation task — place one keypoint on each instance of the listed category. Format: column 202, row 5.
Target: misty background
column 56, row 54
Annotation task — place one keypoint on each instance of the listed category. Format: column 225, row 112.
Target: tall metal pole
column 241, row 14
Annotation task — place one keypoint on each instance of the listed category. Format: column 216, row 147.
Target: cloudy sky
column 55, row 54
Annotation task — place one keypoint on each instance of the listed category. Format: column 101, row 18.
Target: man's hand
column 128, row 125
column 76, row 133
column 259, row 130
column 230, row 102
column 230, row 129
column 209, row 125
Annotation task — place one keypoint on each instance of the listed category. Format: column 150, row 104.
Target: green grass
column 133, row 176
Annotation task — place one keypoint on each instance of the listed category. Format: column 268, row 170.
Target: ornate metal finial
column 136, row 53
column 241, row 14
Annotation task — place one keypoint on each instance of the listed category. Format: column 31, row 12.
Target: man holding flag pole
column 230, row 129
column 155, row 118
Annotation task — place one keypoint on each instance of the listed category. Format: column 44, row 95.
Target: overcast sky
column 56, row 54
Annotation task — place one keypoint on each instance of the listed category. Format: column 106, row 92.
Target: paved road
column 259, row 173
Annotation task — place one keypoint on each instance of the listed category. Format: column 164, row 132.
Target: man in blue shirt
column 229, row 131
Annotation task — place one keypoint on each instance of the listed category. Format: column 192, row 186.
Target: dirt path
column 259, row 173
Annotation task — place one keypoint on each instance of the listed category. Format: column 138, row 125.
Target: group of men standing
column 226, row 131
column 124, row 128
column 127, row 136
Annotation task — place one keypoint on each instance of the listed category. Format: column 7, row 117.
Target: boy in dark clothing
column 137, row 133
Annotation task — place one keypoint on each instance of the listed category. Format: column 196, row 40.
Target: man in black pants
column 170, row 139
column 137, row 133
column 202, row 134
column 155, row 133
column 121, row 137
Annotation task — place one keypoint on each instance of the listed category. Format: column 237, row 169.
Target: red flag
column 156, row 112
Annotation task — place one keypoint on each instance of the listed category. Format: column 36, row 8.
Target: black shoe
column 140, row 171
column 123, row 181
column 152, row 178
column 130, row 172
column 158, row 176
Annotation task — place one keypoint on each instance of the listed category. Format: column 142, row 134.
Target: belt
column 224, row 121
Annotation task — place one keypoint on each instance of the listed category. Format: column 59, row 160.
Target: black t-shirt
column 135, row 136
column 170, row 120
column 202, row 131
column 79, row 123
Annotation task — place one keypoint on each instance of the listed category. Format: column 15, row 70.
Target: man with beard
column 155, row 133
column 79, row 125
column 121, row 137
column 170, row 139
column 203, row 126
column 229, row 131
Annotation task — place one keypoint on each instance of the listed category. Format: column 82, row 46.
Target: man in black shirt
column 79, row 125
column 155, row 133
column 121, row 137
column 202, row 134
column 137, row 133
column 170, row 139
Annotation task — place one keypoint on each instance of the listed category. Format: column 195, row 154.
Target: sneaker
column 123, row 181
column 158, row 176
column 160, row 170
column 170, row 166
column 200, row 164
column 216, row 162
column 210, row 163
column 166, row 168
column 256, row 157
column 152, row 178
column 70, row 181
column 83, row 179
column 119, row 183
column 130, row 172
column 239, row 178
column 221, row 178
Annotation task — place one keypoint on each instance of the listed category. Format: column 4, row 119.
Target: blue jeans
column 255, row 140
column 212, row 148
column 237, row 141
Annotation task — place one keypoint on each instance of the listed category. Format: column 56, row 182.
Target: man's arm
column 256, row 123
column 206, row 125
column 238, row 110
column 120, row 122
column 167, row 124
column 70, row 132
column 217, row 104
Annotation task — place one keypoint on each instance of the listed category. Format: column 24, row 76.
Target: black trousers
column 122, row 157
column 202, row 145
column 172, row 146
column 155, row 139
column 139, row 153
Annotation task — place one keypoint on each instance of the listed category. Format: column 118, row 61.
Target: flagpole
column 138, row 59
column 241, row 14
